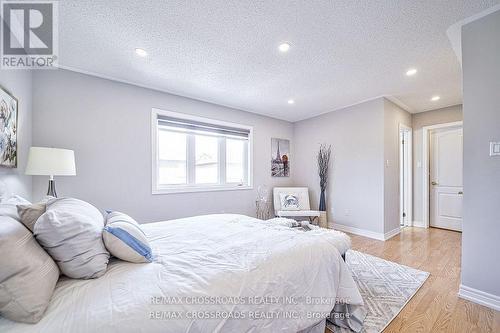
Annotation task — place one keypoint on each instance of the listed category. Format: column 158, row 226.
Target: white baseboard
column 419, row 224
column 479, row 297
column 367, row 233
column 392, row 233
column 360, row 232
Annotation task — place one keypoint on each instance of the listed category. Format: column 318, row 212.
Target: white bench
column 304, row 208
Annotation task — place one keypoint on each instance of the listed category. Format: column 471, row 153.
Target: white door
column 446, row 189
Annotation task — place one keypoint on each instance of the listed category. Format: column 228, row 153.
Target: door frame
column 426, row 164
column 409, row 184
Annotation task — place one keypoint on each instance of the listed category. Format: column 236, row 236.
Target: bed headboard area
column 4, row 192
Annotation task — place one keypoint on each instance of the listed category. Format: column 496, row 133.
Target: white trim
column 367, row 233
column 409, row 185
column 401, row 177
column 360, row 232
column 418, row 224
column 480, row 297
column 196, row 188
column 398, row 102
column 193, row 189
column 425, row 166
column 392, row 233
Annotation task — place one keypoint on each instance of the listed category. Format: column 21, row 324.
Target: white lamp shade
column 51, row 162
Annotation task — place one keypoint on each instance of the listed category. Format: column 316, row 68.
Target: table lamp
column 43, row 161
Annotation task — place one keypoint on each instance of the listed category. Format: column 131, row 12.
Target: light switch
column 494, row 148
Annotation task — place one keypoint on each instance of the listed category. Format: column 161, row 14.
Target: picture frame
column 280, row 157
column 9, row 112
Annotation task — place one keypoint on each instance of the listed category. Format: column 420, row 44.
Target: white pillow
column 289, row 201
column 71, row 232
column 8, row 207
column 125, row 239
column 28, row 275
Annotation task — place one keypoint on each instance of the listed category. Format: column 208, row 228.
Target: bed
column 226, row 273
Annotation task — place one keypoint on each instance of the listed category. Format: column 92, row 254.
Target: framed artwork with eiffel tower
column 280, row 157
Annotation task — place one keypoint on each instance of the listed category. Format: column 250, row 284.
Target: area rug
column 386, row 287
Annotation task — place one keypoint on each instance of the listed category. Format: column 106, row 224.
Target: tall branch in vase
column 324, row 154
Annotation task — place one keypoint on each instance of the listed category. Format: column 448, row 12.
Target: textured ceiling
column 225, row 52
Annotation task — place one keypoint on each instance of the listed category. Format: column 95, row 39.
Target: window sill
column 194, row 189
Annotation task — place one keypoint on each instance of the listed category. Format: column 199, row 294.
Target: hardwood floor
column 436, row 306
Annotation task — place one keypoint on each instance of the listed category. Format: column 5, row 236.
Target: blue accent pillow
column 124, row 239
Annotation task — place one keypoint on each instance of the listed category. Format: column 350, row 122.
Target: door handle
column 434, row 183
column 460, row 192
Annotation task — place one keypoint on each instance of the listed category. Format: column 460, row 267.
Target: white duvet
column 227, row 273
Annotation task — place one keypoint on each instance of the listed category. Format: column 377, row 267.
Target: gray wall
column 434, row 117
column 355, row 196
column 363, row 190
column 19, row 84
column 393, row 117
column 481, row 86
column 108, row 123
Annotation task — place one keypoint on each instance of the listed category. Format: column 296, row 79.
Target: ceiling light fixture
column 291, row 101
column 141, row 52
column 284, row 47
column 411, row 72
column 435, row 98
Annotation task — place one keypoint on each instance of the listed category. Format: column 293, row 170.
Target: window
column 198, row 154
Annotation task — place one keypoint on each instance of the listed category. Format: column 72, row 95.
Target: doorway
column 445, row 176
column 405, row 175
column 426, row 173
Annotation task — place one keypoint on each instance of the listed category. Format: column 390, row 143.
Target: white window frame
column 167, row 189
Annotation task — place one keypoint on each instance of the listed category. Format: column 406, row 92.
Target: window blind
column 186, row 125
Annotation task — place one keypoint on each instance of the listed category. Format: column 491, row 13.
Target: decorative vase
column 323, row 220
column 322, row 202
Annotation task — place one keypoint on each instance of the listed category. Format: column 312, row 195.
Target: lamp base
column 52, row 189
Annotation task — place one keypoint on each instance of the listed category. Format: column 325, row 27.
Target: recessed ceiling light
column 141, row 52
column 411, row 72
column 291, row 101
column 435, row 98
column 284, row 47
